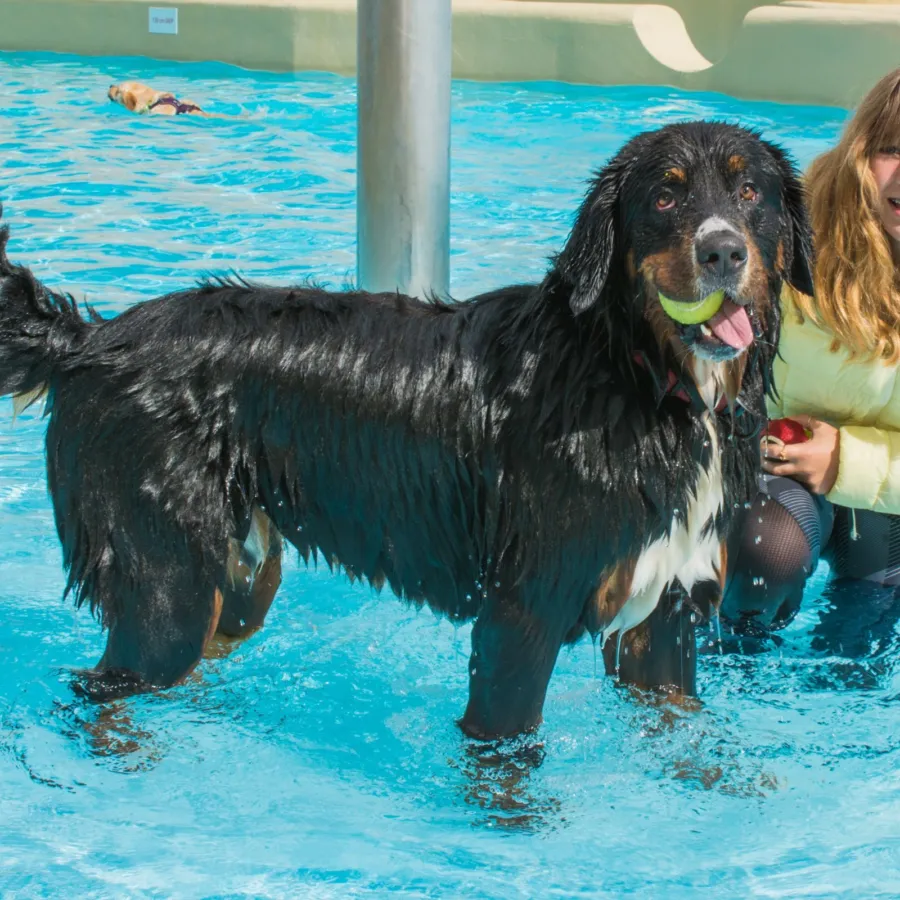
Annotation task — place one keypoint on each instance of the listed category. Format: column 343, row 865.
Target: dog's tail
column 39, row 330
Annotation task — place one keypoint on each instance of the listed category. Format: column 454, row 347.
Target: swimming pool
column 320, row 758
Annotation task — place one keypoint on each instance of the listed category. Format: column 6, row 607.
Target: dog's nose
column 722, row 253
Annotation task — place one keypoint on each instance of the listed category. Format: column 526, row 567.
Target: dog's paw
column 103, row 685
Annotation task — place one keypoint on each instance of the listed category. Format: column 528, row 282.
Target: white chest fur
column 685, row 553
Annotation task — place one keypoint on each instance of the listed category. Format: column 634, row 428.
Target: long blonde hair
column 856, row 279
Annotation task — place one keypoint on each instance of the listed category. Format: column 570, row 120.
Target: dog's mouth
column 715, row 327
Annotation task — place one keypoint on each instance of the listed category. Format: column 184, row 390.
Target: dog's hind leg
column 660, row 653
column 167, row 607
column 513, row 655
column 254, row 575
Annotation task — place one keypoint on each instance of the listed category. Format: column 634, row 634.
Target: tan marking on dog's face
column 736, row 163
column 779, row 257
column 630, row 267
column 677, row 174
column 754, row 285
column 133, row 95
column 663, row 327
column 672, row 271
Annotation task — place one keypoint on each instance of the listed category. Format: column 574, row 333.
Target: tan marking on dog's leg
column 214, row 620
column 659, row 654
column 253, row 575
column 609, row 598
column 722, row 570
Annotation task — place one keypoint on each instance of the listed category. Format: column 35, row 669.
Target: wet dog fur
column 522, row 459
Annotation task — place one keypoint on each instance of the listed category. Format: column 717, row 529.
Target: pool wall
column 795, row 52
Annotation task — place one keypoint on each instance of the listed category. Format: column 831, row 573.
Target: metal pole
column 403, row 150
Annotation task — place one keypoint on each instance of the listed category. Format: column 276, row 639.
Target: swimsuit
column 179, row 107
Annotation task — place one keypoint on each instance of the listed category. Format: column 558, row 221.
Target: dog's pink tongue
column 731, row 325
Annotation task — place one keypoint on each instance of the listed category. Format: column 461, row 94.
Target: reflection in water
column 695, row 748
column 109, row 731
column 497, row 777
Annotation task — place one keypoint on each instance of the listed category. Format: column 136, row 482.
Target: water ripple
column 320, row 758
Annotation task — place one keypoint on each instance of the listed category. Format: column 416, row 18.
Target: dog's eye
column 665, row 200
column 748, row 191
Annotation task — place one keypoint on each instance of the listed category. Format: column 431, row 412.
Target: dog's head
column 133, row 95
column 690, row 231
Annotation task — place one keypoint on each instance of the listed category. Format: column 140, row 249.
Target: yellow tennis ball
column 693, row 313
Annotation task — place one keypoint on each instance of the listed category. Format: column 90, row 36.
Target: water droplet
column 468, row 596
column 747, row 505
column 618, row 651
column 496, row 584
column 762, row 502
column 693, row 618
column 676, row 512
column 757, row 540
column 760, row 520
column 243, row 623
column 678, row 640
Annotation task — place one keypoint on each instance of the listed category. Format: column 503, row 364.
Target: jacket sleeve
column 869, row 469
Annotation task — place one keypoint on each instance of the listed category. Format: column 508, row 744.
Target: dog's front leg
column 661, row 652
column 513, row 654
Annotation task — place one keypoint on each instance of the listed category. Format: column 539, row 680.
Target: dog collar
column 677, row 387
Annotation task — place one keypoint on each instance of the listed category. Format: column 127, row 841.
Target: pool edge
column 822, row 53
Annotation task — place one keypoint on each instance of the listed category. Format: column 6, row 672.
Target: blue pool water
column 320, row 759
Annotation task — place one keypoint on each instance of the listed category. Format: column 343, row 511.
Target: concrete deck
column 796, row 51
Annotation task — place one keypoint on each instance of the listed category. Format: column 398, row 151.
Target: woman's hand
column 813, row 463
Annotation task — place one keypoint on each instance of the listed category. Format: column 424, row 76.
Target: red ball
column 787, row 430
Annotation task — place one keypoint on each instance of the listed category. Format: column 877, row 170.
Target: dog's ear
column 800, row 260
column 587, row 257
column 129, row 100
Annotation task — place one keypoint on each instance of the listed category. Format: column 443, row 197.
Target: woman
column 837, row 494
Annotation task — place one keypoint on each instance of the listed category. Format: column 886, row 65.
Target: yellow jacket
column 862, row 398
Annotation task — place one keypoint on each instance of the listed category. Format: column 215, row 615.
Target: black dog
column 545, row 459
